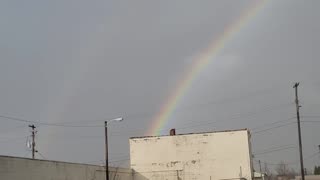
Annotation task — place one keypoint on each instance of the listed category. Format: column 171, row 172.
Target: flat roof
column 44, row 160
column 234, row 130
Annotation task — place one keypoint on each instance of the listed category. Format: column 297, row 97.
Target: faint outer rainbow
column 198, row 64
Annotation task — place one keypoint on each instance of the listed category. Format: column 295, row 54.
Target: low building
column 260, row 176
column 211, row 155
column 14, row 168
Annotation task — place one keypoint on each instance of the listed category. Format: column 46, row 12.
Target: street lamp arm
column 111, row 120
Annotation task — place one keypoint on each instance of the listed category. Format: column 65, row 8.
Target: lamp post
column 106, row 143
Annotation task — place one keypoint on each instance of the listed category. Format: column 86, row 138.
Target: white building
column 205, row 156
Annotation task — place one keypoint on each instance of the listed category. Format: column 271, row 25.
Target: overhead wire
column 140, row 130
column 311, row 121
column 202, row 123
column 41, row 155
column 13, row 139
column 274, row 147
column 268, row 129
column 291, row 163
column 46, row 124
column 69, row 124
column 272, row 123
column 274, row 150
column 9, row 130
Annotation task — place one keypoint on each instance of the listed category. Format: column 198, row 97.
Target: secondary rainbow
column 198, row 64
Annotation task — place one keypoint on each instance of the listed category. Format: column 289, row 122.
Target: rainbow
column 198, row 65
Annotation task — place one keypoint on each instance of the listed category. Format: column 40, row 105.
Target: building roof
column 44, row 160
column 209, row 132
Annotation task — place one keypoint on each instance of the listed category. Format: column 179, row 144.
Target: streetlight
column 106, row 142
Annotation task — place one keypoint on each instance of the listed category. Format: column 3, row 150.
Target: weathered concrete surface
column 309, row 177
column 13, row 168
column 217, row 155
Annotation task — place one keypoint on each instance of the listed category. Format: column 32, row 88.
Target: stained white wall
column 12, row 168
column 218, row 155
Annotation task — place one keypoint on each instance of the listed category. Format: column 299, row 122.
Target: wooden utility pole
column 33, row 131
column 260, row 169
column 299, row 130
column 106, row 149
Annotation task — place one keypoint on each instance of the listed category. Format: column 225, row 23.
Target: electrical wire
column 310, row 117
column 276, row 122
column 265, row 130
column 14, row 139
column 41, row 155
column 275, row 150
column 46, row 124
column 311, row 121
column 243, row 115
column 67, row 124
column 7, row 130
column 274, row 147
column 293, row 162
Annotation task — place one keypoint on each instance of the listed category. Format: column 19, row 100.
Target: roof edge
column 207, row 132
column 54, row 161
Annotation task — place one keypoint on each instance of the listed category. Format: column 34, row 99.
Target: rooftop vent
column 172, row 132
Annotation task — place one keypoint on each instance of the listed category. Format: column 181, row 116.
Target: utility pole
column 106, row 144
column 260, row 169
column 266, row 172
column 299, row 130
column 319, row 151
column 33, row 140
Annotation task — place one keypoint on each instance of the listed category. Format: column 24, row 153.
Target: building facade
column 205, row 156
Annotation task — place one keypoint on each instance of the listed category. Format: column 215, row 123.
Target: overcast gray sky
column 82, row 61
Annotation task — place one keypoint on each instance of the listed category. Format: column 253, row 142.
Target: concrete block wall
column 13, row 168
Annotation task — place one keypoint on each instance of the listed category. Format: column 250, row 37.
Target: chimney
column 172, row 132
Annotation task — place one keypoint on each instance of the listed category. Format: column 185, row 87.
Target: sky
column 78, row 63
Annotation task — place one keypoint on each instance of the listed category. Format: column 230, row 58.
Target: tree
column 316, row 170
column 283, row 170
column 268, row 172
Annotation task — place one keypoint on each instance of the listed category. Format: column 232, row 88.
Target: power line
column 275, row 150
column 311, row 121
column 69, row 124
column 293, row 162
column 14, row 139
column 140, row 130
column 276, row 122
column 45, row 124
column 274, row 147
column 237, row 116
column 200, row 105
column 310, row 117
column 283, row 125
column 137, row 115
column 41, row 155
column 128, row 133
column 12, row 129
